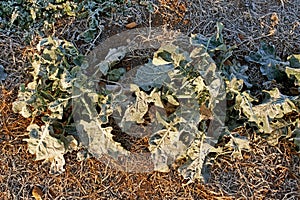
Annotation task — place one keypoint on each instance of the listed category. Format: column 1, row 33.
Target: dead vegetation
column 266, row 172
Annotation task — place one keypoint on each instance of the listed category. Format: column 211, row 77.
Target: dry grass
column 247, row 23
column 266, row 172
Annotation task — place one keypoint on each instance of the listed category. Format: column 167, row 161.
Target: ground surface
column 266, row 172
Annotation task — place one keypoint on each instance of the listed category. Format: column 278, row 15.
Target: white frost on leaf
column 21, row 107
column 114, row 56
column 165, row 146
column 196, row 155
column 46, row 147
column 100, row 140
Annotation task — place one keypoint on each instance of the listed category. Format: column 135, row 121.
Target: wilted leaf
column 165, row 146
column 21, row 108
column 14, row 16
column 174, row 139
column 293, row 72
column 238, row 144
column 294, row 69
column 137, row 110
column 172, row 100
column 65, row 81
column 57, row 107
column 99, row 140
column 196, row 154
column 46, row 147
column 149, row 76
column 274, row 106
column 234, row 85
column 170, row 54
column 183, row 80
column 131, row 107
column 114, row 56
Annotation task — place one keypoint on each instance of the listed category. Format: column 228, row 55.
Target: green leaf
column 149, row 76
column 237, row 71
column 212, row 44
column 269, row 62
column 294, row 61
column 116, row 74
